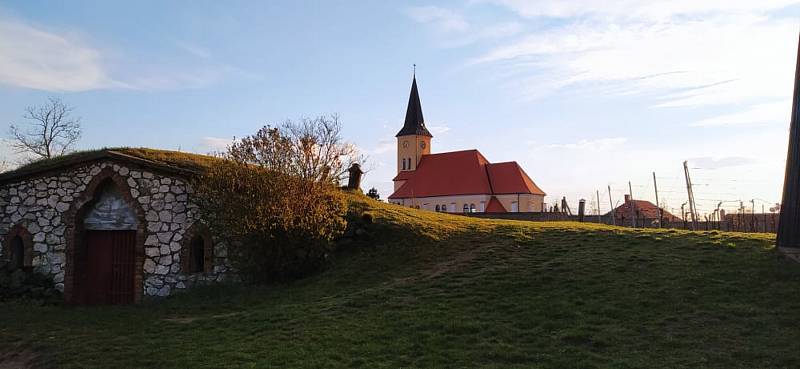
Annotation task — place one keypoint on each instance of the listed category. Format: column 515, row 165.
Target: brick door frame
column 75, row 233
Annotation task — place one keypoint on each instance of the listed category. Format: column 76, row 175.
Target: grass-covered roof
column 165, row 160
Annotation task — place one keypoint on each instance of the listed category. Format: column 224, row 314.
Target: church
column 459, row 181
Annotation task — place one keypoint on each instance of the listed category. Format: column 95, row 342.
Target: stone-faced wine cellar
column 110, row 226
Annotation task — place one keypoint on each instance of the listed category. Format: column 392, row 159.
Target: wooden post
column 632, row 206
column 599, row 219
column 613, row 211
column 581, row 209
column 658, row 207
column 683, row 214
column 691, row 194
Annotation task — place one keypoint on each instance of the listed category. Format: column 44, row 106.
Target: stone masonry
column 45, row 207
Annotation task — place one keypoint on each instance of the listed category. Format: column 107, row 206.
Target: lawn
column 442, row 291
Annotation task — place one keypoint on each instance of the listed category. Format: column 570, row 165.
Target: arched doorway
column 105, row 257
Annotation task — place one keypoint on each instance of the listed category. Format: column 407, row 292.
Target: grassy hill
column 444, row 291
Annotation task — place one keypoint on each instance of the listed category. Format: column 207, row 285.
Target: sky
column 584, row 94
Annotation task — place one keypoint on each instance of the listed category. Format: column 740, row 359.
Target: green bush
column 274, row 196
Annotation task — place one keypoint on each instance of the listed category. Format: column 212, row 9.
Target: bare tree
column 51, row 132
column 311, row 149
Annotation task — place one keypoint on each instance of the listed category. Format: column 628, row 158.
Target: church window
column 466, row 208
column 471, row 208
column 437, row 207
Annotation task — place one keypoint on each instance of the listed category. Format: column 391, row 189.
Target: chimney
column 627, row 198
column 354, row 182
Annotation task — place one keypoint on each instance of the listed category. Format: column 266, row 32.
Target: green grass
column 176, row 159
column 443, row 291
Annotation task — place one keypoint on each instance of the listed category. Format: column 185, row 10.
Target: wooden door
column 110, row 267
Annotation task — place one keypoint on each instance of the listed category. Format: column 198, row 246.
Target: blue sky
column 584, row 94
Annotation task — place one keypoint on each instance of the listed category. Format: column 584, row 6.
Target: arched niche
column 197, row 251
column 18, row 247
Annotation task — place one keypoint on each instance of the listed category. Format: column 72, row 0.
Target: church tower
column 413, row 140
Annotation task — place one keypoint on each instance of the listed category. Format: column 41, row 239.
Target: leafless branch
column 50, row 132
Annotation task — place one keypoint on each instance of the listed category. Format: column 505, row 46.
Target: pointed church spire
column 415, row 124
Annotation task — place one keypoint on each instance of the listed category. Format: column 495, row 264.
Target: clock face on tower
column 422, row 145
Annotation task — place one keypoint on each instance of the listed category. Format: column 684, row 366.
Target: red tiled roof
column 495, row 206
column 643, row 209
column 403, row 175
column 463, row 173
column 509, row 177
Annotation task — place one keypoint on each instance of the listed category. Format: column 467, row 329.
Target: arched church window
column 437, row 208
column 472, row 208
column 466, row 208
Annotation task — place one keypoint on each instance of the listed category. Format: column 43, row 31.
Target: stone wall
column 49, row 207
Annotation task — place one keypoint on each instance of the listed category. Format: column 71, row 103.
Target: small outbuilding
column 640, row 211
column 110, row 226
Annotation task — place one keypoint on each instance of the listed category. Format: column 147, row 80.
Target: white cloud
column 636, row 8
column 215, row 144
column 9, row 157
column 441, row 18
column 600, row 144
column 720, row 162
column 683, row 62
column 772, row 112
column 439, row 129
column 384, row 146
column 35, row 57
column 453, row 30
column 38, row 59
